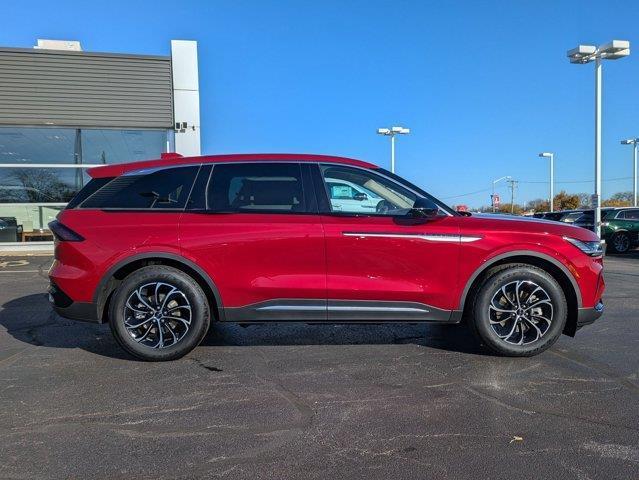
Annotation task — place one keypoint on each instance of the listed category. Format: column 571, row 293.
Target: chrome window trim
column 147, row 170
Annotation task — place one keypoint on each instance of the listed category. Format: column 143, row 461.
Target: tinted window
column 632, row 214
column 571, row 217
column 89, row 189
column 167, row 188
column 256, row 187
column 384, row 197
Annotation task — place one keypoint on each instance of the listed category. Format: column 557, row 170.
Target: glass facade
column 41, row 169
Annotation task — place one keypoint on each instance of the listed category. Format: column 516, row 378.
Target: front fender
column 520, row 251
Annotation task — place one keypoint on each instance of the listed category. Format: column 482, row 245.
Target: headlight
column 594, row 249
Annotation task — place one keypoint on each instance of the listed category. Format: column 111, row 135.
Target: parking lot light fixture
column 634, row 142
column 391, row 132
column 495, row 182
column 552, row 177
column 585, row 54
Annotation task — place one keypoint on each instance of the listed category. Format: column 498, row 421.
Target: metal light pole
column 391, row 132
column 586, row 54
column 492, row 197
column 633, row 142
column 552, row 177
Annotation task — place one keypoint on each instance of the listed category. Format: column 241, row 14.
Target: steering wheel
column 384, row 206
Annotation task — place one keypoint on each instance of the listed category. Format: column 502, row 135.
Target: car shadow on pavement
column 30, row 319
column 454, row 338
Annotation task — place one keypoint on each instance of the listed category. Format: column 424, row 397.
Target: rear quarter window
column 89, row 189
column 168, row 188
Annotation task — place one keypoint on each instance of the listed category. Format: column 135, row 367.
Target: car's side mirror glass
column 423, row 208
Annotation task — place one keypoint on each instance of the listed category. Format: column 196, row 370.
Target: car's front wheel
column 520, row 310
column 159, row 313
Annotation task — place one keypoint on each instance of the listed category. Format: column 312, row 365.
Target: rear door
column 255, row 229
column 630, row 222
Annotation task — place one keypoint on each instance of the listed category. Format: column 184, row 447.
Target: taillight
column 63, row 233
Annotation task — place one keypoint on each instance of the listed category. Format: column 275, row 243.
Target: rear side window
column 632, row 214
column 168, row 188
column 256, row 188
column 89, row 189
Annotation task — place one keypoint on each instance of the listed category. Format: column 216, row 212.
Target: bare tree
column 43, row 185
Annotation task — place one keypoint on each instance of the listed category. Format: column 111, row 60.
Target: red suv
column 162, row 248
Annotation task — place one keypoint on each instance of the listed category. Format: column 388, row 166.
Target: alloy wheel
column 621, row 243
column 520, row 312
column 157, row 315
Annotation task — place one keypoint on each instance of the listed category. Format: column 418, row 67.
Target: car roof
column 175, row 159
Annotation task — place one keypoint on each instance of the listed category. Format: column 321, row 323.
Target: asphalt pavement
column 309, row 402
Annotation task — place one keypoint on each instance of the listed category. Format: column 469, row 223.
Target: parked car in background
column 348, row 197
column 566, row 216
column 587, row 219
column 620, row 229
column 260, row 238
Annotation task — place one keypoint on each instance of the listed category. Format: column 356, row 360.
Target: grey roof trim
column 38, row 51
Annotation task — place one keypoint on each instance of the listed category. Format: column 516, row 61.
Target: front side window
column 256, row 188
column 376, row 195
column 167, row 188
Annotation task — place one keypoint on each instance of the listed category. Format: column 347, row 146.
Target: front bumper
column 586, row 316
column 64, row 306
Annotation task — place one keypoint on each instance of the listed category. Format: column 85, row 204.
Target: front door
column 382, row 265
column 255, row 230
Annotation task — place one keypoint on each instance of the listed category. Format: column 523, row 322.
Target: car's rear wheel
column 159, row 313
column 620, row 242
column 520, row 310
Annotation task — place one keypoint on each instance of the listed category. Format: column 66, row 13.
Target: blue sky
column 483, row 85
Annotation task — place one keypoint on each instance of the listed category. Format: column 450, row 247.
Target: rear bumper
column 64, row 306
column 586, row 316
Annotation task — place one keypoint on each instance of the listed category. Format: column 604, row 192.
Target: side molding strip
column 428, row 237
column 340, row 311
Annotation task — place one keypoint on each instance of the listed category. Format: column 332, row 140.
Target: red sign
column 496, row 200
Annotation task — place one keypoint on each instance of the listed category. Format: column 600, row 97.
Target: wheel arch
column 114, row 276
column 553, row 266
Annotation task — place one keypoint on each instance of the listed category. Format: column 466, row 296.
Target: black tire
column 188, row 296
column 620, row 242
column 548, row 302
column 383, row 206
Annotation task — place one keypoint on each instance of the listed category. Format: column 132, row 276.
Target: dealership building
column 63, row 110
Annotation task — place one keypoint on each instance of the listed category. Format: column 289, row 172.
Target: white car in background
column 349, row 197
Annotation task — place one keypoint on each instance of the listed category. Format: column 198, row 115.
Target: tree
column 539, row 205
column 566, row 201
column 507, row 208
column 619, row 199
column 584, row 200
column 43, row 185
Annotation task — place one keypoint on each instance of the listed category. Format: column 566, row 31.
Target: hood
column 523, row 225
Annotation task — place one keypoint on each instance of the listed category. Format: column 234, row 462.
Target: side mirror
column 423, row 209
column 360, row 196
